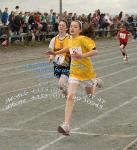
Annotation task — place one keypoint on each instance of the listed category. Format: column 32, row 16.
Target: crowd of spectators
column 39, row 25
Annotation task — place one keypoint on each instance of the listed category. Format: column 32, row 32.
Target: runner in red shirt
column 123, row 39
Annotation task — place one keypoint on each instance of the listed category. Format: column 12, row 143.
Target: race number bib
column 75, row 50
column 59, row 59
column 122, row 35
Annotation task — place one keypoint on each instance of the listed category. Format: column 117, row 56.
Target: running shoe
column 99, row 83
column 64, row 129
column 125, row 59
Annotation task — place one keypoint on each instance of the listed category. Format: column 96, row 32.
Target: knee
column 70, row 97
column 121, row 47
column 61, row 86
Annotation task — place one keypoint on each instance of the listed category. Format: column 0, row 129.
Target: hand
column 77, row 55
column 50, row 53
column 50, row 59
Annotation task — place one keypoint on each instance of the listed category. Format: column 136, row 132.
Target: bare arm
column 64, row 50
column 90, row 54
column 117, row 36
column 51, row 57
column 130, row 34
column 50, row 52
column 84, row 55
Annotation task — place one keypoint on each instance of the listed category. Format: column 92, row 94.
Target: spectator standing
column 38, row 20
column 17, row 23
column 120, row 16
column 17, row 9
column 89, row 17
column 11, row 18
column 54, row 22
column 4, row 18
column 50, row 15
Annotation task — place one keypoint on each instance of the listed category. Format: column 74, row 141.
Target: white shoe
column 125, row 59
column 99, row 82
column 64, row 129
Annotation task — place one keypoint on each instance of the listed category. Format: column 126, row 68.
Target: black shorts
column 59, row 70
column 122, row 43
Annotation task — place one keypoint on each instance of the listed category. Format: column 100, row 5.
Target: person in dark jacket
column 11, row 18
column 4, row 17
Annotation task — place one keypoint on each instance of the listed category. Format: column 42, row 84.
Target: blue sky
column 78, row 6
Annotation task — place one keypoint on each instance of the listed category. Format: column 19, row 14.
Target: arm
column 53, row 51
column 130, row 34
column 64, row 50
column 84, row 55
column 90, row 47
column 51, row 57
column 51, row 47
column 90, row 54
column 117, row 36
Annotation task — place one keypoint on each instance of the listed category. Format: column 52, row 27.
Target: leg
column 123, row 51
column 63, row 84
column 90, row 90
column 64, row 128
column 72, row 88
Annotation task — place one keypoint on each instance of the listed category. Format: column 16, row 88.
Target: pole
column 60, row 8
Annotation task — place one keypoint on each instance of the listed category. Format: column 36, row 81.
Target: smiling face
column 122, row 29
column 62, row 27
column 75, row 28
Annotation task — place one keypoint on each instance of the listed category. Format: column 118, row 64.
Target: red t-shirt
column 123, row 36
column 37, row 19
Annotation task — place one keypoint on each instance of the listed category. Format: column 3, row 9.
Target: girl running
column 81, row 48
column 61, row 61
column 123, row 39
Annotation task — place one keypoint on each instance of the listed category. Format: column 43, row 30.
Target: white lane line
column 37, row 116
column 114, row 58
column 32, row 70
column 73, row 132
column 20, row 66
column 29, row 87
column 34, row 67
column 17, row 81
column 112, row 52
column 120, row 83
column 105, row 114
column 19, row 61
column 118, row 63
column 116, row 72
column 102, row 134
column 114, row 46
column 51, row 143
column 27, row 130
column 130, row 145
